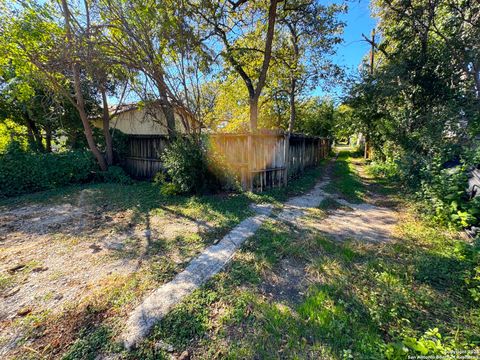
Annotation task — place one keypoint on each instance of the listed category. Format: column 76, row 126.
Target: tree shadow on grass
column 441, row 272
column 327, row 323
column 93, row 222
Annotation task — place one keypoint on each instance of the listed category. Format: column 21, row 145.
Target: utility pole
column 372, row 60
column 372, row 52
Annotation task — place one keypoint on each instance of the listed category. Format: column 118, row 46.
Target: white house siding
column 138, row 122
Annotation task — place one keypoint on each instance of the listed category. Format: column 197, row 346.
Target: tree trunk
column 366, row 154
column 272, row 17
column 253, row 113
column 79, row 100
column 255, row 95
column 169, row 114
column 106, row 128
column 48, row 139
column 170, row 117
column 293, row 107
column 254, row 92
column 35, row 138
column 83, row 116
column 31, row 139
column 166, row 105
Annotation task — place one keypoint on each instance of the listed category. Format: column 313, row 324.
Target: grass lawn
column 346, row 182
column 354, row 300
column 107, row 246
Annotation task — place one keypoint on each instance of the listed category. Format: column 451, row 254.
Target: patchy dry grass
column 86, row 255
column 72, row 260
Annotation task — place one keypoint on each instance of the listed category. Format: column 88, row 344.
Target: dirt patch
column 363, row 222
column 286, row 283
column 172, row 227
column 36, row 219
column 55, row 256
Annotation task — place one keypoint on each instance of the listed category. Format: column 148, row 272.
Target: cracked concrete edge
column 203, row 267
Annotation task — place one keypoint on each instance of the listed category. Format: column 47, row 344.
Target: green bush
column 444, row 194
column 166, row 188
column 22, row 171
column 114, row 174
column 383, row 169
column 191, row 168
column 431, row 343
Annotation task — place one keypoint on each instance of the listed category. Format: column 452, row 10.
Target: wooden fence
column 143, row 155
column 259, row 161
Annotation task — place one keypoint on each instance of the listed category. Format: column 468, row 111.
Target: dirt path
column 369, row 223
column 363, row 222
column 360, row 221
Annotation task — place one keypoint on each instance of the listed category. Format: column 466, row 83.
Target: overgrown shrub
column 166, row 188
column 439, row 182
column 445, row 196
column 185, row 164
column 431, row 343
column 114, row 174
column 190, row 167
column 384, row 169
column 22, row 171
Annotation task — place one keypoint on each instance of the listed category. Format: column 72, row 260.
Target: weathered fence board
column 143, row 159
column 259, row 161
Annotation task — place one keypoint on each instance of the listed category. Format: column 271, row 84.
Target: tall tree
column 158, row 45
column 234, row 24
column 73, row 46
column 423, row 94
column 309, row 33
column 61, row 43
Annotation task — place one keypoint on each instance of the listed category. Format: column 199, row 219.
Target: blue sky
column 353, row 49
column 358, row 21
